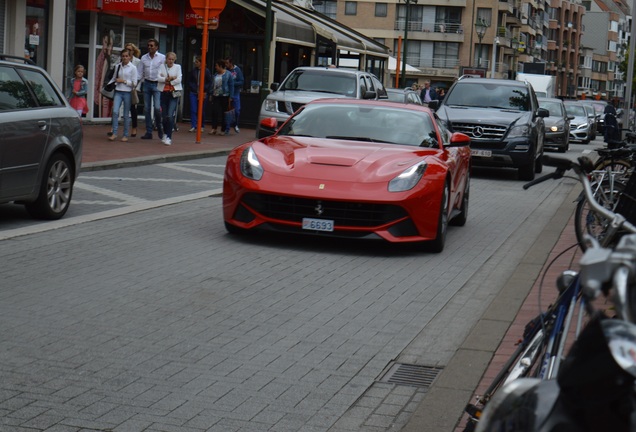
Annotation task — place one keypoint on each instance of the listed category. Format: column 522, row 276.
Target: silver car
column 305, row 84
column 581, row 124
column 40, row 140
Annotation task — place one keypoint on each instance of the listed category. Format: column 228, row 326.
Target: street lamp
column 406, row 34
column 480, row 26
column 514, row 43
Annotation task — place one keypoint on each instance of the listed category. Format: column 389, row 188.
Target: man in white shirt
column 148, row 71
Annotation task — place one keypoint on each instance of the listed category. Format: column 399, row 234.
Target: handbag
column 108, row 89
column 176, row 94
column 134, row 97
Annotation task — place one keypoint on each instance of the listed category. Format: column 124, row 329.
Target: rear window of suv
column 15, row 94
column 485, row 95
column 318, row 81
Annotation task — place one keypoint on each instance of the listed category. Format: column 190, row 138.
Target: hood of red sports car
column 342, row 160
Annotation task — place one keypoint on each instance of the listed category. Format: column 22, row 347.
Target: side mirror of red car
column 269, row 123
column 459, row 139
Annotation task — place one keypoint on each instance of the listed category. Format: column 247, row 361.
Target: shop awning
column 299, row 25
column 289, row 28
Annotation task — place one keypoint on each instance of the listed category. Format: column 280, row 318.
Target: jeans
column 121, row 97
column 168, row 108
column 152, row 105
column 219, row 106
column 236, row 102
column 194, row 110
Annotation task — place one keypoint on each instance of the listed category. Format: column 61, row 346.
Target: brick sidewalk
column 99, row 152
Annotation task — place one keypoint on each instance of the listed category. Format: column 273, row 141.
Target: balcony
column 430, row 27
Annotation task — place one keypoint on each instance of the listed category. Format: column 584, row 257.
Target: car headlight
column 269, row 105
column 583, row 126
column 554, row 129
column 250, row 166
column 519, row 131
column 408, row 179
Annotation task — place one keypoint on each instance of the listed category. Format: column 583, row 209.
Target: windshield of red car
column 364, row 123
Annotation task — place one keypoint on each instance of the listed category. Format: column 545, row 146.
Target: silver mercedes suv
column 305, row 84
column 40, row 140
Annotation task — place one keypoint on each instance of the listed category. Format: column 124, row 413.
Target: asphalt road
column 139, row 312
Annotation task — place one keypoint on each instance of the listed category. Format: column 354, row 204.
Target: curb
column 149, row 160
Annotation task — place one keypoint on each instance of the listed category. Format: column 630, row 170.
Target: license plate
column 318, row 224
column 483, row 153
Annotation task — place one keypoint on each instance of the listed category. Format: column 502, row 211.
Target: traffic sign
column 214, row 7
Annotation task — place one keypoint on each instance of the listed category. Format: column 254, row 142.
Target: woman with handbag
column 126, row 80
column 169, row 84
column 136, row 55
column 223, row 87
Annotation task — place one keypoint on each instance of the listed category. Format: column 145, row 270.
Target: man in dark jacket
column 612, row 133
column 428, row 94
column 193, row 85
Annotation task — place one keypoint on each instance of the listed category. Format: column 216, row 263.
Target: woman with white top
column 169, row 82
column 126, row 78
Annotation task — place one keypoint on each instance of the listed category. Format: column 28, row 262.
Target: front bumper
column 514, row 153
column 357, row 210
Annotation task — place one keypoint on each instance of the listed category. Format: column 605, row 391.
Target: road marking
column 191, row 170
column 140, row 206
column 130, row 199
column 158, row 180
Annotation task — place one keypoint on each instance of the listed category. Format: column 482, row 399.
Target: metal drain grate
column 411, row 375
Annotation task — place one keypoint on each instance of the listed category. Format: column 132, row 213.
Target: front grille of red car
column 343, row 213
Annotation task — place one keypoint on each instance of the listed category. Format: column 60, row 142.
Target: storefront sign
column 123, row 5
column 159, row 11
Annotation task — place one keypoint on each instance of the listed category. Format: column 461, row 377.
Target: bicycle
column 541, row 349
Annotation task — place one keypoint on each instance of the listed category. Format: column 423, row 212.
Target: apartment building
column 607, row 26
column 445, row 38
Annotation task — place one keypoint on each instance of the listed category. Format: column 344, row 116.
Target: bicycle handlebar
column 582, row 169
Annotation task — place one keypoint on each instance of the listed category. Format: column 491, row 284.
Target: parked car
column 503, row 119
column 40, row 140
column 557, row 125
column 581, row 124
column 599, row 109
column 305, row 84
column 594, row 118
column 352, row 168
column 407, row 96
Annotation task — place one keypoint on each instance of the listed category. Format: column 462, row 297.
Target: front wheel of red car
column 462, row 217
column 56, row 190
column 437, row 245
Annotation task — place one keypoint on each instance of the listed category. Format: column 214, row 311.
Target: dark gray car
column 503, row 120
column 40, row 140
column 557, row 125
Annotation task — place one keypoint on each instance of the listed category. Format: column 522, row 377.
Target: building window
column 380, row 9
column 484, row 15
column 327, row 7
column 380, row 40
column 351, row 8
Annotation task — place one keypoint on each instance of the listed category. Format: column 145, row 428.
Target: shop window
column 35, row 44
column 380, row 9
column 351, row 8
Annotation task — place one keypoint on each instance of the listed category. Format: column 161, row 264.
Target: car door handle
column 42, row 124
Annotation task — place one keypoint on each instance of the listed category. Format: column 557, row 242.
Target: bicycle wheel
column 586, row 221
column 621, row 168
